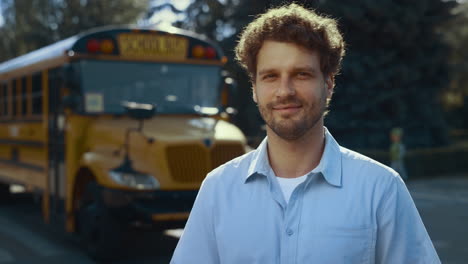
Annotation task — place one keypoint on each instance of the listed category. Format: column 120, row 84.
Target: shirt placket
column 290, row 230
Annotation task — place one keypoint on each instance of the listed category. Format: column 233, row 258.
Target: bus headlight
column 137, row 181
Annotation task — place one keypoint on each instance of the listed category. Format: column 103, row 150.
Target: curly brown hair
column 294, row 24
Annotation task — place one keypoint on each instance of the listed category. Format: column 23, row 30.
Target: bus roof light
column 107, row 46
column 93, row 45
column 210, row 53
column 198, row 51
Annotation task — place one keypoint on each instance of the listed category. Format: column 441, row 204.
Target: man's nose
column 285, row 87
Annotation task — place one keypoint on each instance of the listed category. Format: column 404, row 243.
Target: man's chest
column 322, row 227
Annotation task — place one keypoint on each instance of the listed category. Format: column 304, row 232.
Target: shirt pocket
column 336, row 245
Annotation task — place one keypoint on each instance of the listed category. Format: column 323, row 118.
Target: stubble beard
column 294, row 127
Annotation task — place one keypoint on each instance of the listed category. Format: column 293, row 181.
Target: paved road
column 24, row 238
column 443, row 205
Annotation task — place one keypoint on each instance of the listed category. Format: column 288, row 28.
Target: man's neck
column 290, row 159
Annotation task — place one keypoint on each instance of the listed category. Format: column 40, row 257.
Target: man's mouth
column 287, row 109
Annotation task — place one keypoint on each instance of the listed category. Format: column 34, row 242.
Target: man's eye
column 268, row 76
column 303, row 74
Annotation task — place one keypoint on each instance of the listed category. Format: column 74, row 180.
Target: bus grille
column 191, row 163
column 220, row 154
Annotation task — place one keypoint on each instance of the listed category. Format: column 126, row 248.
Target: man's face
column 290, row 89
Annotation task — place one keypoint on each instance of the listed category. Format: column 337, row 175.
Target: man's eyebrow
column 310, row 69
column 307, row 69
column 266, row 71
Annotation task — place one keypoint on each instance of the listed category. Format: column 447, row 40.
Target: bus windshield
column 173, row 88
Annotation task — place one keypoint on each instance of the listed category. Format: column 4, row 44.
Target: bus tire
column 5, row 194
column 99, row 233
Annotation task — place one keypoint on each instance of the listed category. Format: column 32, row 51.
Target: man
column 300, row 197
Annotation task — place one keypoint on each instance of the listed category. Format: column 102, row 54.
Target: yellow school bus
column 115, row 127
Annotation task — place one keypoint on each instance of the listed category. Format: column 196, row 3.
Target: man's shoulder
column 361, row 162
column 236, row 167
column 360, row 170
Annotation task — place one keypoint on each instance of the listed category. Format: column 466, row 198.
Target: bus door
column 57, row 180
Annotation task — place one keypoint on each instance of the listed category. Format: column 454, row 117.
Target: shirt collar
column 329, row 165
column 260, row 163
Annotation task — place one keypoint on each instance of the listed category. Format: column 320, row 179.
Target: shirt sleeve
column 198, row 241
column 401, row 235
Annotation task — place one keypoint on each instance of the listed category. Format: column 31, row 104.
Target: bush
column 425, row 163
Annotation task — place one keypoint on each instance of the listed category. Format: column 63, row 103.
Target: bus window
column 24, row 97
column 7, row 97
column 36, row 94
column 14, row 97
column 173, row 88
column 3, row 87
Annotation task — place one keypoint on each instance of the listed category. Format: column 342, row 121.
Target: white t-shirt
column 289, row 184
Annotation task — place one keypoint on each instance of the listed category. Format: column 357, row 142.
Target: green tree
column 22, row 31
column 79, row 15
column 35, row 23
column 395, row 69
column 455, row 32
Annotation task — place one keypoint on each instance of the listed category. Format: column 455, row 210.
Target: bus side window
column 7, row 99
column 24, row 97
column 3, row 87
column 36, row 94
column 14, row 97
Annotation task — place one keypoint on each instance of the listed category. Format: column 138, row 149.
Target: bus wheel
column 4, row 192
column 99, row 233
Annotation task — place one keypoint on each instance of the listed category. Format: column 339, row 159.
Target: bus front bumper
column 163, row 209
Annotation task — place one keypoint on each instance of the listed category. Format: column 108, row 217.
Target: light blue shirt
column 350, row 209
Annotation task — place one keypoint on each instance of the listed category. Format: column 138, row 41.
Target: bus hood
column 164, row 128
column 177, row 151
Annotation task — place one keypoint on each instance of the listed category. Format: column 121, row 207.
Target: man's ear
column 254, row 93
column 330, row 85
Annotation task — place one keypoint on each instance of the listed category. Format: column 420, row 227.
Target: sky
column 166, row 15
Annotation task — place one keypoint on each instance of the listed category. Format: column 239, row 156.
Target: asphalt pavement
column 443, row 205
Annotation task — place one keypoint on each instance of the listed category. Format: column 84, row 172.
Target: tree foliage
column 394, row 72
column 35, row 23
column 455, row 32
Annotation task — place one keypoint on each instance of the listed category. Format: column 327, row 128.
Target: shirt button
column 289, row 232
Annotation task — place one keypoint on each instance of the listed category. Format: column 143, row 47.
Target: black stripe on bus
column 23, row 165
column 29, row 143
column 16, row 121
